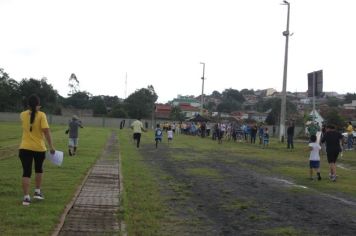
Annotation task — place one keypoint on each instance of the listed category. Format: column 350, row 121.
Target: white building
column 350, row 106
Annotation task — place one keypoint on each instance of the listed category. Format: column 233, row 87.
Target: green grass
column 283, row 231
column 144, row 208
column 204, row 172
column 142, row 203
column 142, row 187
column 59, row 183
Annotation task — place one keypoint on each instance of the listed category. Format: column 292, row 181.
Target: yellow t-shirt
column 349, row 129
column 34, row 140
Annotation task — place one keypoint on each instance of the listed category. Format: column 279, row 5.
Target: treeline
column 13, row 96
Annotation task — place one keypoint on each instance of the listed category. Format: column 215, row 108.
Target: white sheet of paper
column 56, row 158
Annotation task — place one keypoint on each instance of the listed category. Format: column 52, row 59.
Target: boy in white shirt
column 170, row 134
column 314, row 157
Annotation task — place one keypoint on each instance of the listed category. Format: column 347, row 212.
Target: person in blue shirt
column 158, row 135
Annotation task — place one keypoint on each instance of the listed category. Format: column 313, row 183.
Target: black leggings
column 26, row 157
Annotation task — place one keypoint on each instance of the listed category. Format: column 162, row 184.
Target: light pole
column 284, row 95
column 202, row 89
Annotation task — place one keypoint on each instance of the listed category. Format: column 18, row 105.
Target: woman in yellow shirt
column 35, row 130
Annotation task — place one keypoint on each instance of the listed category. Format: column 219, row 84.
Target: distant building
column 185, row 100
column 350, row 106
column 239, row 115
column 189, row 110
column 257, row 116
column 270, row 92
column 162, row 111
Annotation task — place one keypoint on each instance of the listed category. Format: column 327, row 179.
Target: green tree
column 10, row 97
column 247, row 92
column 333, row 101
column 176, row 114
column 79, row 100
column 229, row 106
column 118, row 111
column 98, row 105
column 216, row 94
column 44, row 90
column 349, row 97
column 232, row 94
column 274, row 105
column 231, row 100
column 333, row 117
column 140, row 104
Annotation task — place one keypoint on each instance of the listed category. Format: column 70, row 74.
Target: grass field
column 147, row 203
column 149, row 213
column 59, row 183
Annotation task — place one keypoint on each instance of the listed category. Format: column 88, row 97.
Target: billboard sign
column 315, row 83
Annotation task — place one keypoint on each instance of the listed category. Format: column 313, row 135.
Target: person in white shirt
column 137, row 128
column 170, row 134
column 314, row 157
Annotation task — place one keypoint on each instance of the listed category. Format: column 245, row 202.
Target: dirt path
column 210, row 196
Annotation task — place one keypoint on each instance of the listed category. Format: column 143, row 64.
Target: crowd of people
column 36, row 132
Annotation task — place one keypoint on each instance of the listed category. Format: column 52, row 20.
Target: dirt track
column 230, row 198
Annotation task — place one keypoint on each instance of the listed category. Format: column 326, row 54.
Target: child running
column 314, row 157
column 170, row 134
column 158, row 135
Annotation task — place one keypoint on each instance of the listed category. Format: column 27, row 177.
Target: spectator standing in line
column 349, row 130
column 265, row 138
column 173, row 127
column 208, row 128
column 333, row 140
column 290, row 136
column 73, row 131
column 253, row 133
column 260, row 133
column 314, row 157
column 35, row 130
column 137, row 128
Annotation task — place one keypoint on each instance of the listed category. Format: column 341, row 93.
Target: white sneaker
column 38, row 196
column 26, row 202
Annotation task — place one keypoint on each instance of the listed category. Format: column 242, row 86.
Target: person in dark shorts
column 137, row 128
column 290, row 136
column 35, row 131
column 158, row 135
column 314, row 157
column 73, row 126
column 333, row 141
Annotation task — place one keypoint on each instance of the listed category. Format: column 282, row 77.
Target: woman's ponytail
column 33, row 102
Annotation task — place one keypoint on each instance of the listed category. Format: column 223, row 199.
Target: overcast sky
column 162, row 42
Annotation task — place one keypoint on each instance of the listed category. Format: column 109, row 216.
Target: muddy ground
column 223, row 194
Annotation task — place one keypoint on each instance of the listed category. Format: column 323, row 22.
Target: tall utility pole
column 202, row 89
column 314, row 80
column 284, row 92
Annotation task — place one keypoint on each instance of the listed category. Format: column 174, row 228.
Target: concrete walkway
column 95, row 209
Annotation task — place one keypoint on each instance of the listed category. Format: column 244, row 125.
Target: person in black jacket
column 333, row 140
column 290, row 136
